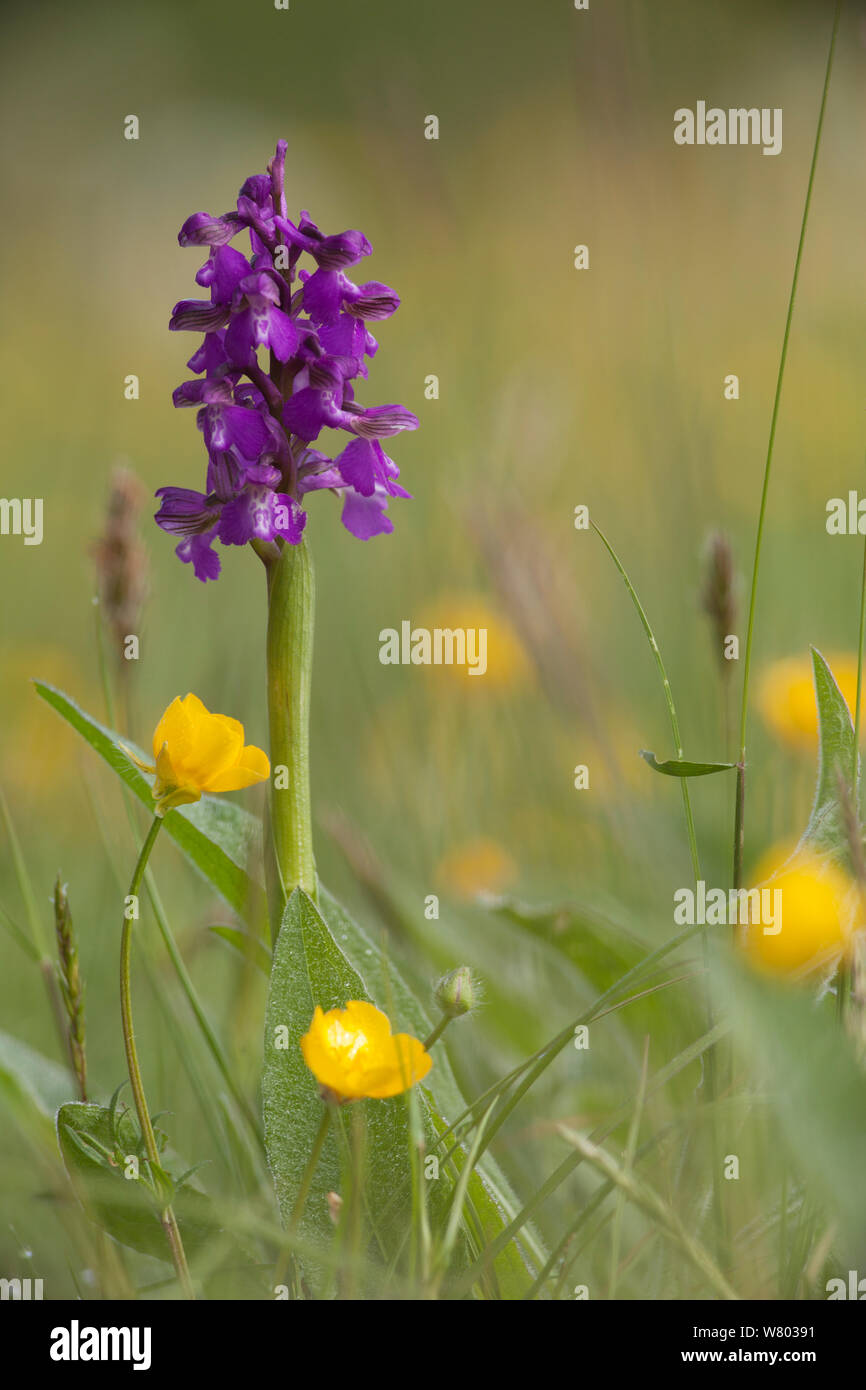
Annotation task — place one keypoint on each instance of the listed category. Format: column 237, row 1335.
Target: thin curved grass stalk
column 668, row 694
column 167, row 1216
column 558, row 1176
column 645, row 1197
column 546, row 1054
column 460, row 1193
column 710, row 1063
column 628, row 1165
column 543, row 1059
column 561, row 1251
column 171, row 1020
column 739, row 815
column 212, row 1042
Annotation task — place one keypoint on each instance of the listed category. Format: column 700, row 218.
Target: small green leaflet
column 678, row 767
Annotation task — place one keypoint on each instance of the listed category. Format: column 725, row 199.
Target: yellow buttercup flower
column 197, row 752
column 506, row 663
column 786, row 696
column 818, row 912
column 353, row 1054
column 476, row 868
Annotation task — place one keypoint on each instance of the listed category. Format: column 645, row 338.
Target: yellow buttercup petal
column 409, row 1062
column 252, row 766
column 215, row 743
column 173, row 728
column 368, row 1020
column 321, row 1051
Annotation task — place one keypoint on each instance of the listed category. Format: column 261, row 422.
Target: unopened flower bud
column 458, row 992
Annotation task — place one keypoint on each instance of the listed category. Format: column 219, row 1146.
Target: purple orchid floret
column 282, row 346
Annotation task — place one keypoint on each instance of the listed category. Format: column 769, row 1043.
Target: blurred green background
column 557, row 387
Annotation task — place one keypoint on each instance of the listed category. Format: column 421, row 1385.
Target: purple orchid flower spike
column 282, row 346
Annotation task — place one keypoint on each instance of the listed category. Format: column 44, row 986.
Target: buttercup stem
column 312, row 1165
column 437, row 1032
column 291, row 600
column 167, row 1217
column 304, row 1189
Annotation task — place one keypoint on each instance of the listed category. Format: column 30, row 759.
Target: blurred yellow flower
column 41, row 763
column 197, row 752
column 479, row 866
column 508, row 665
column 786, row 696
column 818, row 913
column 353, row 1054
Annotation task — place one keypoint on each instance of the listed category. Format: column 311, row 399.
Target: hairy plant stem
column 739, row 816
column 167, row 1216
column 437, row 1032
column 291, row 600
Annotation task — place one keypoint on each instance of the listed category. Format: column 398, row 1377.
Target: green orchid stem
column 291, row 600
column 167, row 1216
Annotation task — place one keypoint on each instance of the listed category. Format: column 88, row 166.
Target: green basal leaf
column 815, row 1086
column 678, row 767
column 309, row 969
column 318, row 959
column 836, row 756
column 489, row 1190
column 94, row 1144
column 221, row 839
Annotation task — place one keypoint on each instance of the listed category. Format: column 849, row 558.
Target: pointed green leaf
column 490, row 1196
column 678, row 767
column 319, row 961
column 309, row 969
column 836, row 755
column 221, row 839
